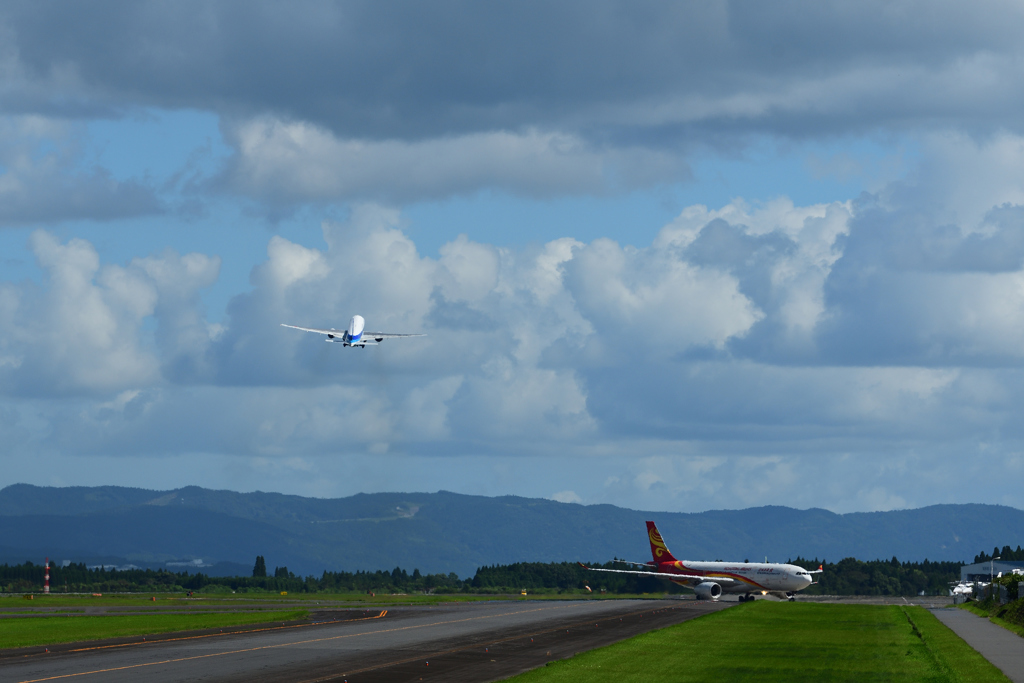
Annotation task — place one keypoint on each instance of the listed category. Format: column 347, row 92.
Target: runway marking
column 299, row 642
column 465, row 647
column 210, row 635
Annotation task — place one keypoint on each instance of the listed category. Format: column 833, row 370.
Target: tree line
column 78, row 578
column 1005, row 554
column 846, row 577
column 881, row 577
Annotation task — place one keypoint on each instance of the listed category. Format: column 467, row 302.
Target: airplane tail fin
column 659, row 550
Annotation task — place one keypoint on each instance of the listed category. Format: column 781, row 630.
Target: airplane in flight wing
column 354, row 335
column 709, row 580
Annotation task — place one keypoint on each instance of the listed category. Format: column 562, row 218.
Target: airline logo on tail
column 659, row 550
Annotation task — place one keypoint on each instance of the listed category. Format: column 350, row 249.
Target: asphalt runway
column 458, row 642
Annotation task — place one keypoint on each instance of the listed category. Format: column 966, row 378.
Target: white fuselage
column 353, row 336
column 748, row 577
column 354, row 333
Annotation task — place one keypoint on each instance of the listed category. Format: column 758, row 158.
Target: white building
column 981, row 570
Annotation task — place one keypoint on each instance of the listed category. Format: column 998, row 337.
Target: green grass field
column 11, row 603
column 769, row 641
column 50, row 630
column 78, row 600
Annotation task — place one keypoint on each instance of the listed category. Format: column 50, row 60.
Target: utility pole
column 991, row 568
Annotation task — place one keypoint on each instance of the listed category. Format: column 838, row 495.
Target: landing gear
column 792, row 597
column 746, row 598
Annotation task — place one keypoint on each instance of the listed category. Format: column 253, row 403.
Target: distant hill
column 449, row 532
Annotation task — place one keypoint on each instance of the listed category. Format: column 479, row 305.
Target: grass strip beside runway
column 76, row 627
column 776, row 641
column 15, row 604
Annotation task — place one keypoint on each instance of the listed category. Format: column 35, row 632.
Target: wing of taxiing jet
column 663, row 575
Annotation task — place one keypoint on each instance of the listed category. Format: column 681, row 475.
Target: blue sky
column 672, row 258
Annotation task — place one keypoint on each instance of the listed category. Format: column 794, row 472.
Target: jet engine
column 708, row 590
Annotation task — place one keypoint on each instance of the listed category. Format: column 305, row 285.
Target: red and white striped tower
column 46, row 577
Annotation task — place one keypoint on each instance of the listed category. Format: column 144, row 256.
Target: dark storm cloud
column 639, row 71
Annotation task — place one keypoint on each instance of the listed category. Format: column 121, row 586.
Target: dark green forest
column 882, row 577
column 1005, row 554
column 846, row 577
column 77, row 578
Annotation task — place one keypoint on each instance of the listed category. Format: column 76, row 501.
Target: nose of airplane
column 807, row 580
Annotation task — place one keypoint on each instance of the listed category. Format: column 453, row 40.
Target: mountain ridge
column 446, row 532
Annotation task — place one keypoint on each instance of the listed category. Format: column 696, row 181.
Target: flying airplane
column 709, row 580
column 354, row 335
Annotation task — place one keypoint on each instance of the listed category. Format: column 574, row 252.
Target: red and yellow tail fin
column 659, row 550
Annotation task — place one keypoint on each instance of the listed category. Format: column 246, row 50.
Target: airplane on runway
column 710, row 580
column 354, row 335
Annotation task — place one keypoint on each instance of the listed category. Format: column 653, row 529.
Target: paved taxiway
column 461, row 641
column 1005, row 649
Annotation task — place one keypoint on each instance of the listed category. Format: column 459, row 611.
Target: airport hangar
column 981, row 571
